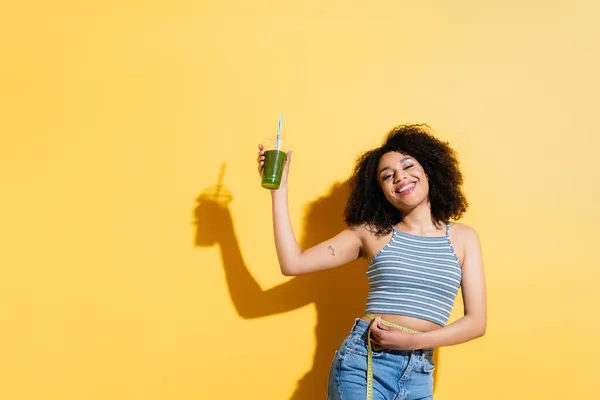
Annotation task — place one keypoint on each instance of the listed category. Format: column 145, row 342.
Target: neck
column 419, row 220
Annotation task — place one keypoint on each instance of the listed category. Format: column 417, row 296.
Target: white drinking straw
column 278, row 132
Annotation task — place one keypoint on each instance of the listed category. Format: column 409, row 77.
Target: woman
column 403, row 196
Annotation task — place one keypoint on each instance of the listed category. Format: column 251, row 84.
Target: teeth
column 403, row 188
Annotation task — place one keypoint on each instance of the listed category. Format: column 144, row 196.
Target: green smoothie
column 272, row 169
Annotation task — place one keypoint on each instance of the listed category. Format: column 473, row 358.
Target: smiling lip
column 407, row 189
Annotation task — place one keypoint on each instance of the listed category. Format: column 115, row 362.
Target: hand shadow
column 339, row 294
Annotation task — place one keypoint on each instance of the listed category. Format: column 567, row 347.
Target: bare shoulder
column 463, row 232
column 464, row 239
column 371, row 242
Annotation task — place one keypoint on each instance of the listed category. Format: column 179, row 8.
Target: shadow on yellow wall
column 338, row 295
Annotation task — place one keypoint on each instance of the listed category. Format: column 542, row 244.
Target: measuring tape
column 370, row 352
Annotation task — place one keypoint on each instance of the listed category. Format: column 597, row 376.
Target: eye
column 385, row 178
column 409, row 166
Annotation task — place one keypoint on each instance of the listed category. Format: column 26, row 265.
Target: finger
column 260, row 147
column 375, row 331
column 374, row 324
column 288, row 158
column 377, row 340
column 380, row 324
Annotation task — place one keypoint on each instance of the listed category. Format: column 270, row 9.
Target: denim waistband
column 360, row 325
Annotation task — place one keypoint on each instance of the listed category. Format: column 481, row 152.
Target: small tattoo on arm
column 331, row 251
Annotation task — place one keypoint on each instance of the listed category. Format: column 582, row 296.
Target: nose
column 400, row 176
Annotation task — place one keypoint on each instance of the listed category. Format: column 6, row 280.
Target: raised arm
column 337, row 251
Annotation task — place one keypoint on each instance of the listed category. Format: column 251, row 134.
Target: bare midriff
column 417, row 324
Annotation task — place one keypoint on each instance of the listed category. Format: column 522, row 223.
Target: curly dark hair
column 367, row 204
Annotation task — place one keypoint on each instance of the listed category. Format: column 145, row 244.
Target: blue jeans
column 397, row 374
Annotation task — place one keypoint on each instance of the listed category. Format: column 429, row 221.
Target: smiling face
column 403, row 181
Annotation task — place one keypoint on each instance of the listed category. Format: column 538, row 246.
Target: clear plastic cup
column 272, row 170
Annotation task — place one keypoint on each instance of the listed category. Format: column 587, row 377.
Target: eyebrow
column 401, row 161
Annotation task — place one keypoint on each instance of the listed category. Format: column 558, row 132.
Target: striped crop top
column 416, row 276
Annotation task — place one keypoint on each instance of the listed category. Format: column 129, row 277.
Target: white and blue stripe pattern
column 416, row 276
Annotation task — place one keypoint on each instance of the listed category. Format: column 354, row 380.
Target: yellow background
column 116, row 116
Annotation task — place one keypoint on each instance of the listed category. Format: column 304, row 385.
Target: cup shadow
column 338, row 295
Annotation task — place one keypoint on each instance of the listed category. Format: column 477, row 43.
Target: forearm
column 463, row 330
column 246, row 294
column 286, row 244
